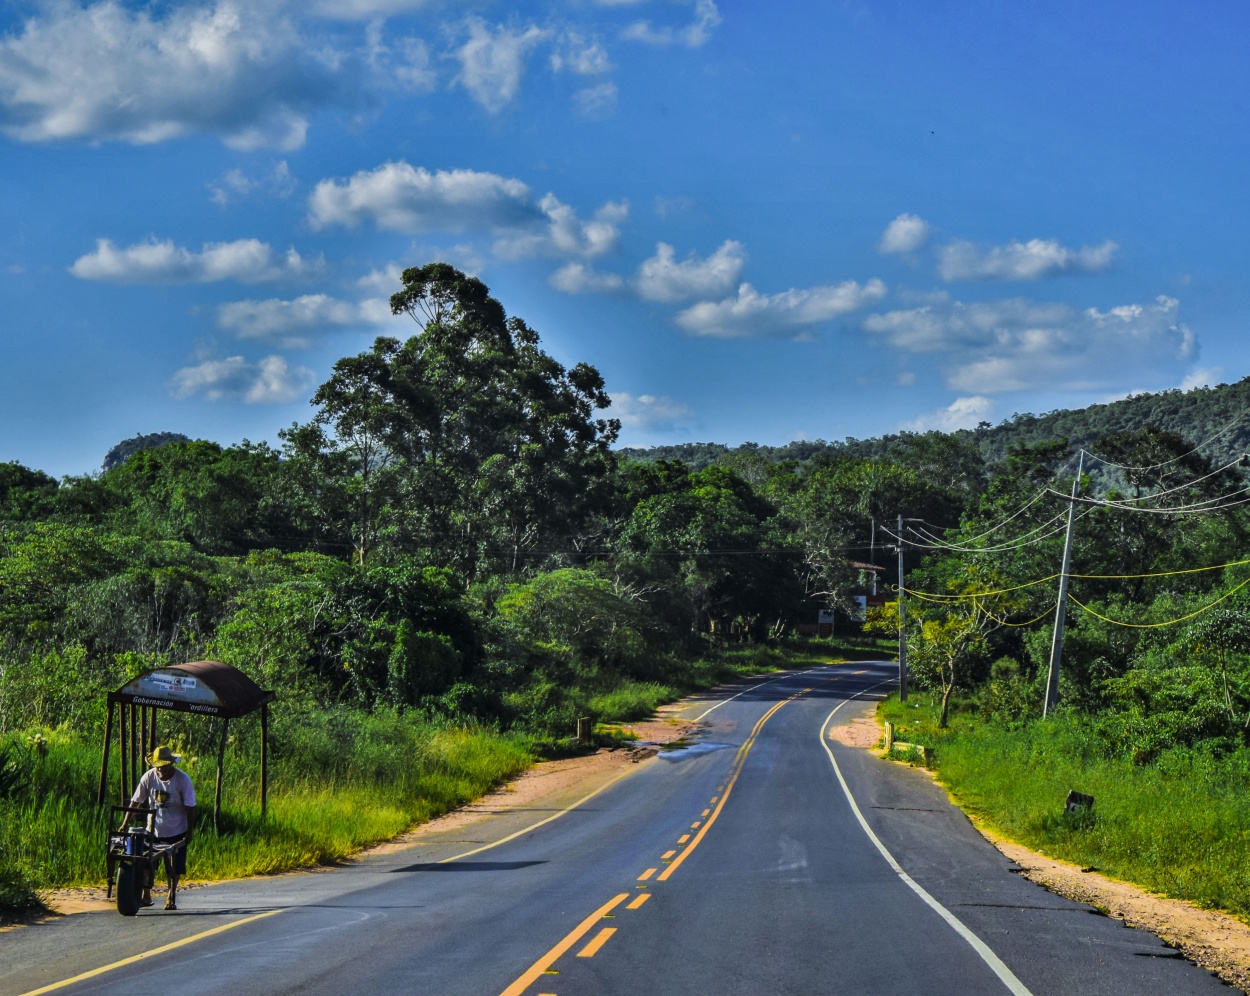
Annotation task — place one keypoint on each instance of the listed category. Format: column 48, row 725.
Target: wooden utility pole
column 1056, row 645
column 902, row 618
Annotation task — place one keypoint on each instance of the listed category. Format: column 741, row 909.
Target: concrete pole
column 902, row 618
column 1056, row 645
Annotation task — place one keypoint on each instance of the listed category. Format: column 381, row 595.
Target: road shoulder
column 1211, row 939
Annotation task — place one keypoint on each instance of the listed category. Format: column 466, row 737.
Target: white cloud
column 906, row 378
column 398, row 197
column 788, row 314
column 107, row 71
column 402, row 198
column 268, row 381
column 906, row 233
column 595, row 102
column 235, row 183
column 1018, row 344
column 578, row 278
column 1201, row 377
column 962, row 413
column 694, row 34
column 363, row 10
column 493, row 62
column 646, row 411
column 565, row 234
column 289, row 322
column 1032, row 260
column 663, row 278
column 577, row 55
column 246, row 260
column 398, row 62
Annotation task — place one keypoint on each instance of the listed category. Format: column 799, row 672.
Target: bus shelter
column 204, row 688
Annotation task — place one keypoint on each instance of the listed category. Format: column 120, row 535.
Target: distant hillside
column 1196, row 415
column 127, row 448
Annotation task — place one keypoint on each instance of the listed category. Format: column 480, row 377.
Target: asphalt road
column 765, row 859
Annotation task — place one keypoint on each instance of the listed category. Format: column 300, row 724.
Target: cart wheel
column 127, row 889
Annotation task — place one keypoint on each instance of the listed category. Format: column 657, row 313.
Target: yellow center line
column 746, row 749
column 666, row 855
column 539, row 967
column 149, row 954
column 601, row 938
column 639, row 901
column 704, row 813
column 647, row 874
column 695, row 825
column 683, row 838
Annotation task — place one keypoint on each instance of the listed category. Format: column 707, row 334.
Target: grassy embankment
column 1179, row 825
column 340, row 781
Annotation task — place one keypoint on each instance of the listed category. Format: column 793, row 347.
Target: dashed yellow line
column 739, row 763
column 532, row 973
column 639, row 901
column 647, row 874
column 666, row 855
column 683, row 838
column 601, row 938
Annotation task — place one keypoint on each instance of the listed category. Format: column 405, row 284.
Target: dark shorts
column 178, row 857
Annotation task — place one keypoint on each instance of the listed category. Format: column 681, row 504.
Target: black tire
column 127, row 889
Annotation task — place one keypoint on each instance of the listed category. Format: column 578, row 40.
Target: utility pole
column 1056, row 646
column 902, row 634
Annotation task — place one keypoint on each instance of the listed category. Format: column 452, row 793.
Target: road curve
column 764, row 859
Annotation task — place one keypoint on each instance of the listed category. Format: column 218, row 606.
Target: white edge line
column 995, row 963
column 758, row 684
column 540, row 823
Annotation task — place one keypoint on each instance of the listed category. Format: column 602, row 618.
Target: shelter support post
column 104, row 755
column 122, row 754
column 133, row 768
column 221, row 761
column 143, row 731
column 264, row 759
column 152, row 740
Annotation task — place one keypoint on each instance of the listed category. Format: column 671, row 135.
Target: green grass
column 1179, row 826
column 54, row 834
column 340, row 780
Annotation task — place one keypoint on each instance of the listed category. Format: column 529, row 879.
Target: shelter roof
column 207, row 687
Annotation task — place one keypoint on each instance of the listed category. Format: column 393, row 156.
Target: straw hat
column 161, row 757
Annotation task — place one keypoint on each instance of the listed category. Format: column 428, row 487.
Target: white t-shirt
column 170, row 799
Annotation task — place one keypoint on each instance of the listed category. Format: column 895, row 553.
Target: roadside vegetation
column 1176, row 825
column 450, row 563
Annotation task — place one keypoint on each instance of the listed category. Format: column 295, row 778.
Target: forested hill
column 1196, row 415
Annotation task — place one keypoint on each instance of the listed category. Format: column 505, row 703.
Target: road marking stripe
column 788, row 674
column 532, row 973
column 639, row 901
column 601, row 938
column 995, row 963
column 683, row 838
column 647, row 874
column 704, row 813
column 742, row 753
column 695, row 825
column 666, row 855
column 237, row 923
column 149, row 954
column 534, row 826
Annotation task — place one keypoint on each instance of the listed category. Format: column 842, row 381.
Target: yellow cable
column 1170, row 622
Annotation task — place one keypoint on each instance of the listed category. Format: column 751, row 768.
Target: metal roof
column 210, row 688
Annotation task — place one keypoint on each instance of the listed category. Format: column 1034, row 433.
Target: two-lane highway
column 763, row 858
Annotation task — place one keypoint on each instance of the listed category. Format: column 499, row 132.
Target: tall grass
column 395, row 772
column 1179, row 826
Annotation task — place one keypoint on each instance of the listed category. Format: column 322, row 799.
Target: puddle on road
column 679, row 749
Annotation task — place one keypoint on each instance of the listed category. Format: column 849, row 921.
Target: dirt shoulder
column 538, row 785
column 1210, row 939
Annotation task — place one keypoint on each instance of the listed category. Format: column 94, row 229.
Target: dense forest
column 452, row 537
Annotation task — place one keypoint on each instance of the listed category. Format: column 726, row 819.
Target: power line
column 1166, row 463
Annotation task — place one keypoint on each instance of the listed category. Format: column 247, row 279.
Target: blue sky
column 760, row 221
